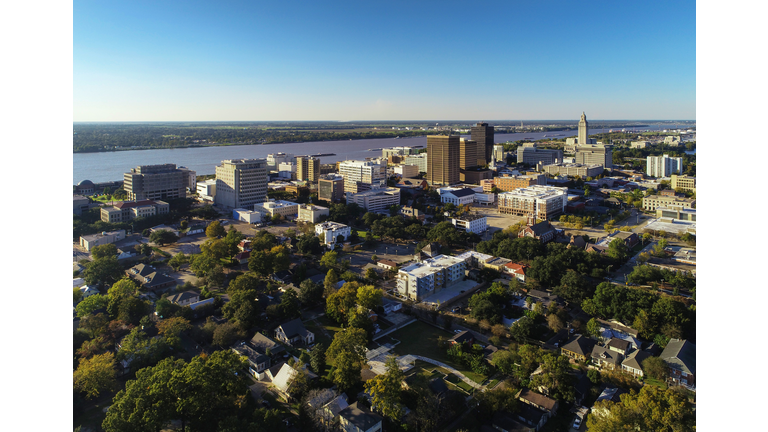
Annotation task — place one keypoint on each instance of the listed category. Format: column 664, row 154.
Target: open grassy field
column 421, row 339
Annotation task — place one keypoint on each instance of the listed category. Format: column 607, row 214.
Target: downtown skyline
column 346, row 61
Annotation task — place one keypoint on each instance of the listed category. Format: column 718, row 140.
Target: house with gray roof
column 680, row 356
column 358, row 419
column 293, row 332
column 604, row 357
column 149, row 278
column 634, row 362
column 578, row 348
column 264, row 345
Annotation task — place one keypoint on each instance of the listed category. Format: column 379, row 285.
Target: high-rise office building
column 363, row 175
column 330, row 188
column 530, row 153
column 469, row 153
column 308, row 169
column 443, row 159
column 498, row 153
column 600, row 154
column 483, row 135
column 419, row 160
column 241, row 183
column 156, row 182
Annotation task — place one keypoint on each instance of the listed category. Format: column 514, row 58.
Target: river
column 110, row 166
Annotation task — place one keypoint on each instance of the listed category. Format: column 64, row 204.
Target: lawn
column 654, row 382
column 453, row 379
column 420, row 338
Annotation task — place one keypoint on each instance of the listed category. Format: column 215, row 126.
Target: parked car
column 577, row 423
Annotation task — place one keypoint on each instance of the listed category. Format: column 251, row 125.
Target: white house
column 246, row 215
column 457, row 196
column 474, row 223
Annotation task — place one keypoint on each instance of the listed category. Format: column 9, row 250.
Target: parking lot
column 497, row 221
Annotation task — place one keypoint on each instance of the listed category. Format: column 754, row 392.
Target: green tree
column 331, row 279
column 652, row 409
column 555, row 377
column 555, row 323
column 617, row 249
column 656, row 368
column 369, row 297
column 104, row 251
column 177, row 261
column 311, row 292
column 385, row 391
column 260, row 262
column 90, row 304
column 232, row 239
column 521, row 329
column 77, row 295
column 95, row 375
column 163, row 237
column 141, row 350
column 226, row 334
column 215, row 230
column 166, row 309
column 309, row 244
column 103, row 271
column 290, row 305
column 317, row 358
column 340, row 303
column 330, row 260
column 171, row 329
column 371, row 274
column 280, row 257
column 593, row 328
column 504, row 361
column 243, row 308
column 573, row 287
column 94, row 324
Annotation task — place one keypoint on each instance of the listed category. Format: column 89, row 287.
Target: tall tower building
column 663, row 166
column 156, row 182
column 241, row 183
column 308, row 168
column 583, row 129
column 443, row 159
column 469, row 153
column 483, row 135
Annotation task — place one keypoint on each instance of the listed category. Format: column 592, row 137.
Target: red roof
column 516, row 268
column 243, row 255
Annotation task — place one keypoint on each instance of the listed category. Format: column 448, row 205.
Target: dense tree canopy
column 652, row 409
column 95, row 375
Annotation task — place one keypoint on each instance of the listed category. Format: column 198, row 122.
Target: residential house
column 544, row 403
column 506, row 422
column 88, row 291
column 620, row 346
column 578, row 348
column 243, row 257
column 359, row 419
column 391, row 305
column 515, row 270
column 634, row 362
column 387, row 264
column 606, row 358
column 283, row 276
column 680, row 356
column 282, row 381
column 149, row 278
column 429, row 251
column 293, row 332
column 465, row 336
column 185, row 298
column 257, row 362
column 265, row 345
column 532, row 416
column 544, row 297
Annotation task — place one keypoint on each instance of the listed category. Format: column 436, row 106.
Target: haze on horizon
column 145, row 61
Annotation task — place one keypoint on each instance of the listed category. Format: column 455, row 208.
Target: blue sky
column 198, row 61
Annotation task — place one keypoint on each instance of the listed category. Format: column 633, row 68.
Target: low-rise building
column 640, row 144
column 149, row 278
column 485, row 199
column 294, row 333
column 408, row 212
column 246, row 216
column 128, row 210
column 283, row 208
column 375, row 200
column 312, row 213
column 419, row 280
column 680, row 356
column 683, row 182
column 471, row 222
column 543, row 202
column 106, row 237
column 574, row 169
column 578, row 348
column 510, row 183
column 329, row 232
column 652, row 202
column 457, row 196
column 406, row 170
column 330, row 187
column 359, row 419
column 516, row 270
column 206, row 190
column 80, row 204
column 185, row 298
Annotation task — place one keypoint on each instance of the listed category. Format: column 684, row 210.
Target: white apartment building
column 544, row 202
column 375, row 200
column 273, row 207
column 286, row 170
column 407, row 171
column 474, row 223
column 663, row 166
column 206, row 190
column 363, row 175
column 419, row 160
column 312, row 213
column 241, row 183
column 422, row 279
column 640, row 144
column 330, row 231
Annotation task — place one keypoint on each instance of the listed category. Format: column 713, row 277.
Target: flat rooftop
column 674, row 226
column 537, row 191
column 431, row 265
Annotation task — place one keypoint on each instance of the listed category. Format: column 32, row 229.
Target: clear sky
column 377, row 60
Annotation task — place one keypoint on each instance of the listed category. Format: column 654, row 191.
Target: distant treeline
column 111, row 137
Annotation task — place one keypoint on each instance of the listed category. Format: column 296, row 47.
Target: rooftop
column 537, row 191
column 431, row 265
column 470, row 217
column 331, row 226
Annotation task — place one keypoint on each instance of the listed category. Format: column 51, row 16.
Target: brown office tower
column 469, row 154
column 308, row 169
column 443, row 154
column 483, row 134
column 330, row 188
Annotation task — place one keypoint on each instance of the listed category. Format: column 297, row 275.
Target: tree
column 656, row 368
column 103, row 271
column 617, row 249
column 232, row 240
column 330, row 260
column 310, row 292
column 77, row 295
column 281, row 258
column 652, row 409
column 215, row 230
column 177, row 261
column 226, row 334
column 166, row 309
column 95, row 374
column 521, row 329
column 331, row 279
column 555, row 377
column 104, row 251
column 371, row 274
column 243, row 308
column 309, row 244
column 94, row 324
column 347, row 371
column 260, row 262
column 593, row 328
column 163, row 237
column 289, row 304
column 504, row 361
column 573, row 287
column 171, row 329
column 90, row 304
column 385, row 390
column 555, row 323
column 141, row 350
column 339, row 304
column 369, row 296
column 317, row 358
